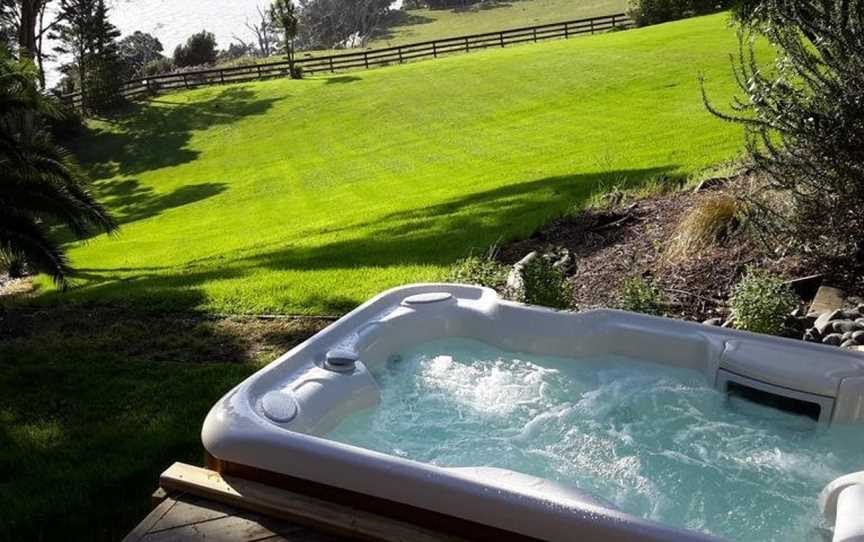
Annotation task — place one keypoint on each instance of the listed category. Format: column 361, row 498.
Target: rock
column 827, row 299
column 824, row 321
column 812, row 335
column 844, row 326
column 713, row 322
column 848, row 344
column 858, row 337
column 834, row 339
column 857, row 348
column 729, row 323
column 515, row 283
column 847, row 336
column 813, row 315
column 860, row 322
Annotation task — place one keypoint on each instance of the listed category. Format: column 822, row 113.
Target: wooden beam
column 279, row 503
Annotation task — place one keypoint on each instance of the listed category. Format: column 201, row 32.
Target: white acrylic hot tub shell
column 236, row 429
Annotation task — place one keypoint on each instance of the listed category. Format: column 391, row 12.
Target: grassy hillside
column 428, row 24
column 311, row 196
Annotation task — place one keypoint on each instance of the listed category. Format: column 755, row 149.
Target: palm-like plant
column 40, row 184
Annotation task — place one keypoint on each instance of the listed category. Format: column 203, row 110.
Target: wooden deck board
column 186, row 518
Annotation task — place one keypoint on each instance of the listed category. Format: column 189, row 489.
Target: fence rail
column 370, row 58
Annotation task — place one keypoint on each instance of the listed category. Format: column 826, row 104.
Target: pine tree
column 85, row 33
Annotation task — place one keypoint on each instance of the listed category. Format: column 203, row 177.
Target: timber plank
column 279, row 503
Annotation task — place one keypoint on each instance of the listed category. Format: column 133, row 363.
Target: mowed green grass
column 311, row 196
column 428, row 24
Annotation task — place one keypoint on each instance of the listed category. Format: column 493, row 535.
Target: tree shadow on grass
column 441, row 233
column 154, row 134
column 433, row 235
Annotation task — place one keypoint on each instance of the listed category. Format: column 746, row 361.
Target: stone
column 858, row 336
column 848, row 344
column 834, row 339
column 827, row 299
column 729, row 323
column 713, row 322
column 812, row 335
column 843, row 326
column 847, row 336
column 824, row 321
column 515, row 283
column 857, row 348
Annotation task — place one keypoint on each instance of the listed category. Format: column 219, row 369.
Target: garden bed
column 631, row 239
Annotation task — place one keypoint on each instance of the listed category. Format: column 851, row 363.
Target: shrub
column 712, row 220
column 641, row 295
column 761, row 302
column 156, row 67
column 648, row 12
column 804, row 122
column 200, row 49
column 546, row 285
column 483, row 271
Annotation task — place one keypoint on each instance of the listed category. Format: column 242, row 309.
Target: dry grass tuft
column 712, row 221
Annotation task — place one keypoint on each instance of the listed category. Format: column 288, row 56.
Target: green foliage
column 84, row 32
column 641, row 295
column 761, row 302
column 546, row 285
column 482, row 271
column 804, row 123
column 139, row 50
column 199, row 50
column 157, row 66
column 648, row 12
column 41, row 185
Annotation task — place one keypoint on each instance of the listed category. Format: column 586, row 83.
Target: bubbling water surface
column 658, row 442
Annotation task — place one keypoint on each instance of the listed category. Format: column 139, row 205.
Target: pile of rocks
column 840, row 327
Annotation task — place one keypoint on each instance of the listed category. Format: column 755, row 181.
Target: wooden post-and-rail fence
column 370, row 58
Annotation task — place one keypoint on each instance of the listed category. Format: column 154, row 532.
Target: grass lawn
column 428, row 24
column 311, row 196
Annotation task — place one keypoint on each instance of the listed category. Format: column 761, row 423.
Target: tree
column 84, row 32
column 265, row 33
column 40, row 185
column 804, row 122
column 23, row 22
column 137, row 50
column 200, row 49
column 331, row 23
column 283, row 15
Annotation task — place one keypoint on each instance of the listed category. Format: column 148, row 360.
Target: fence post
column 467, row 49
column 258, row 69
column 501, row 38
column 434, row 49
column 399, row 50
column 535, row 34
column 331, row 64
column 185, row 81
column 592, row 25
column 613, row 21
column 366, row 59
column 566, row 31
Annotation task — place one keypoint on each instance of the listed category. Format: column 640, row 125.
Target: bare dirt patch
column 631, row 240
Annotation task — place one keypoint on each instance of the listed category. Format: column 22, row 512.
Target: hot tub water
column 657, row 442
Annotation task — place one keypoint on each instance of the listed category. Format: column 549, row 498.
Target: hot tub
column 447, row 406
